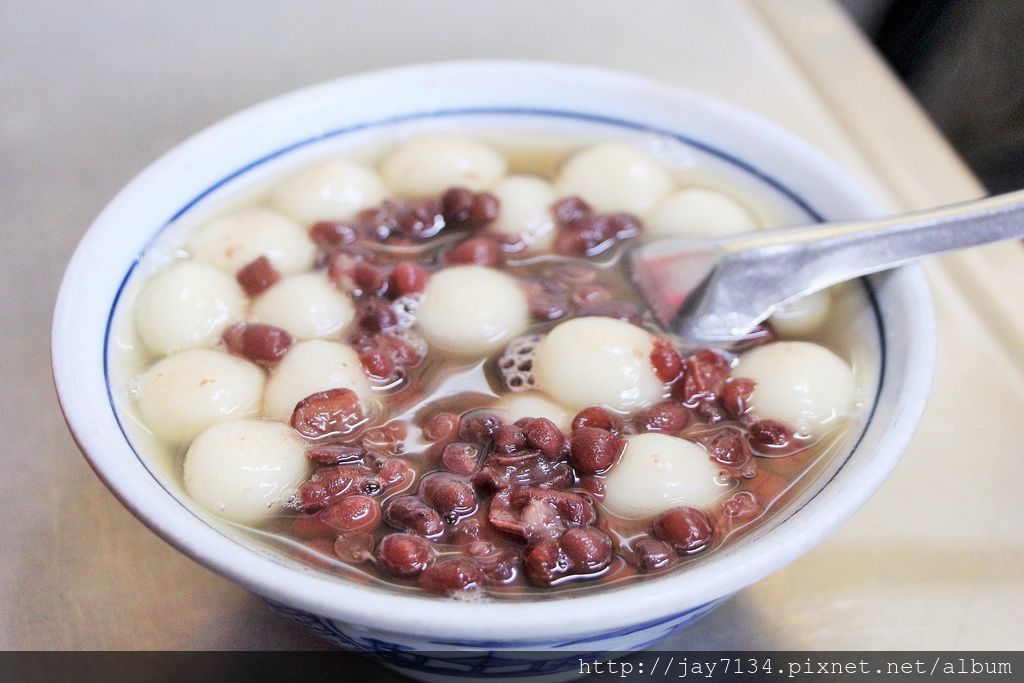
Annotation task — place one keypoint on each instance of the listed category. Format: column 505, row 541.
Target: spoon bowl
column 716, row 291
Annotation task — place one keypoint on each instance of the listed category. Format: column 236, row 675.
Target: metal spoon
column 718, row 290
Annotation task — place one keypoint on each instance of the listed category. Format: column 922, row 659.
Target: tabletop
column 93, row 91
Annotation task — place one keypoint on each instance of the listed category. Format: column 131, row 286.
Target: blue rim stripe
column 489, row 111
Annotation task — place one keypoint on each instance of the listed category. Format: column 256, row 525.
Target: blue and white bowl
column 246, row 150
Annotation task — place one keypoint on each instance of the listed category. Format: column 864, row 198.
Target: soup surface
column 421, row 364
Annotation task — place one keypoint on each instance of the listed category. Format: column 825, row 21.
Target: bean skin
column 452, row 576
column 404, row 555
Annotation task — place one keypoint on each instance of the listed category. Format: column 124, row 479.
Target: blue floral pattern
column 476, row 658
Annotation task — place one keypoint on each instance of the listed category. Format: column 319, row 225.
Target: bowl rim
column 449, row 623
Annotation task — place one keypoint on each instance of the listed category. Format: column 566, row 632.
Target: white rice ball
column 183, row 394
column 308, row 306
column 310, row 367
column 513, row 407
column 187, row 305
column 333, row 190
column 800, row 383
column 235, row 241
column 431, row 164
column 244, row 470
column 657, row 472
column 526, row 211
column 598, row 361
column 802, row 316
column 471, row 310
column 698, row 212
column 613, row 176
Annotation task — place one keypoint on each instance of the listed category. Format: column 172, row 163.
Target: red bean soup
column 423, row 366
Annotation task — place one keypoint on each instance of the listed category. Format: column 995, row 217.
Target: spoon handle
column 828, row 254
column 750, row 275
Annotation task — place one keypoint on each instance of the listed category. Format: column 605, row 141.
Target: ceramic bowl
column 428, row 636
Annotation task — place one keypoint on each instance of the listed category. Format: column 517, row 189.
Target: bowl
column 428, row 636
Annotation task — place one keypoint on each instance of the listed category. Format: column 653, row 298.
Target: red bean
column 593, row 450
column 571, row 241
column 479, row 548
column 652, row 554
column 666, row 361
column 545, row 436
column 740, row 505
column 460, row 457
column 453, row 575
column 311, row 496
column 325, row 484
column 592, row 235
column 262, row 344
column 402, row 352
column 735, row 396
column 354, row 548
column 387, row 438
column 544, row 562
column 702, row 373
column 378, row 222
column 338, row 479
column 571, row 209
column 709, row 409
column 420, row 218
column 466, row 532
column 547, row 300
column 334, row 453
column 395, row 473
column 727, row 446
column 258, row 276
column 377, row 364
column 352, row 513
column 409, row 513
column 593, row 485
column 573, row 508
column 328, row 413
column 331, row 235
column 481, row 251
column 408, row 278
column 377, row 316
column 484, row 210
column 448, row 494
column 457, row 205
column 667, row 416
column 404, row 555
column 479, row 426
column 440, row 427
column 464, row 208
column 687, row 529
column 588, row 549
column 594, row 417
column 771, row 433
column 342, row 264
column 503, row 568
column 371, row 280
column 509, row 439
